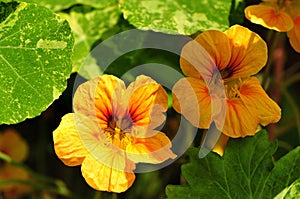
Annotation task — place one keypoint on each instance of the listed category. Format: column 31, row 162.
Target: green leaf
column 89, row 68
column 58, row 5
column 245, row 171
column 177, row 16
column 88, row 26
column 6, row 9
column 292, row 192
column 35, row 50
column 237, row 15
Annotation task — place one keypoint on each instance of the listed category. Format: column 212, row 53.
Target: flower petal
column 67, row 143
column 195, row 61
column 240, row 120
column 294, row 35
column 94, row 97
column 148, row 101
column 220, row 146
column 248, row 53
column 217, row 45
column 142, row 131
column 254, row 97
column 12, row 144
column 105, row 178
column 269, row 17
column 155, row 149
column 191, row 98
column 140, row 80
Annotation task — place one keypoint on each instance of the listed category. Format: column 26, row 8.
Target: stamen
column 116, row 135
column 232, row 89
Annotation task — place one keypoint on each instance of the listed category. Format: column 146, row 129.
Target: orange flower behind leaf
column 235, row 54
column 113, row 128
column 16, row 148
column 270, row 16
column 282, row 16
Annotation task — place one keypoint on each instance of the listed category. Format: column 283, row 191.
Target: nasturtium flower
column 236, row 55
column 294, row 33
column 113, row 128
column 13, row 145
column 279, row 15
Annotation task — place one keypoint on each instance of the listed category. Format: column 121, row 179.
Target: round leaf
column 177, row 16
column 88, row 26
column 35, row 61
column 58, row 5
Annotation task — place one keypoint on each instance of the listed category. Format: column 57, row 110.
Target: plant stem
column 285, row 145
column 292, row 69
column 283, row 129
column 291, row 80
column 273, row 40
column 279, row 59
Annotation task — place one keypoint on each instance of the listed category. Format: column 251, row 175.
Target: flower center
column 116, row 132
column 232, row 89
column 226, row 73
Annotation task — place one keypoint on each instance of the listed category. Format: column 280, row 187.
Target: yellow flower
column 112, row 129
column 14, row 146
column 282, row 16
column 236, row 55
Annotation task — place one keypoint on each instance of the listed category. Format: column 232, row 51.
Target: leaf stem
column 279, row 59
column 291, row 80
column 285, row 145
column 283, row 129
column 292, row 69
column 272, row 35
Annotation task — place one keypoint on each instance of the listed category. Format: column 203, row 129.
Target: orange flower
column 294, row 34
column 282, row 16
column 235, row 55
column 111, row 129
column 14, row 146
